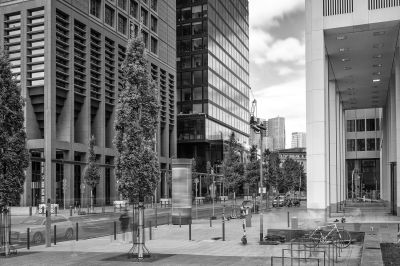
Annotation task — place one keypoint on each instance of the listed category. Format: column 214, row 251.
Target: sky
column 277, row 61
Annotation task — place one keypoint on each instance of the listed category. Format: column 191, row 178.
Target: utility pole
column 261, row 186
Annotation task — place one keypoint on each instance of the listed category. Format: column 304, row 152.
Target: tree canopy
column 137, row 166
column 92, row 174
column 14, row 157
column 233, row 168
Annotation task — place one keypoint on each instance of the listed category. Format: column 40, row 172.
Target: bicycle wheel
column 342, row 239
column 312, row 239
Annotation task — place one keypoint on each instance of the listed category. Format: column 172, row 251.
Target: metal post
column 76, row 231
column 48, row 224
column 180, row 220
column 223, row 229
column 28, row 241
column 55, row 210
column 115, row 230
column 150, row 230
column 261, row 229
column 168, row 218
column 190, row 230
column 55, row 234
column 288, row 222
column 30, row 210
column 156, row 215
column 70, row 211
column 261, row 185
column 210, row 222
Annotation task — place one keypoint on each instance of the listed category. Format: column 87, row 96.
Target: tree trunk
column 91, row 201
column 141, row 231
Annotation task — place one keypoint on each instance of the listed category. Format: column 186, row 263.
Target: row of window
column 232, row 87
column 360, row 125
column 194, row 12
column 190, row 29
column 195, row 44
column 236, row 36
column 215, row 131
column 369, row 144
column 193, row 61
column 96, row 6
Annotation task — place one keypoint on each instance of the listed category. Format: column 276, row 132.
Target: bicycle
column 340, row 238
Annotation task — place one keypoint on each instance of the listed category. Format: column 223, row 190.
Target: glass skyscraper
column 213, row 76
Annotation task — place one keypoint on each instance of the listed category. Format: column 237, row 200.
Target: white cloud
column 284, row 70
column 264, row 13
column 286, row 100
column 263, row 49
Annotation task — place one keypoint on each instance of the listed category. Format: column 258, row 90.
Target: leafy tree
column 274, row 177
column 137, row 166
column 233, row 167
column 291, row 174
column 92, row 174
column 14, row 157
column 253, row 170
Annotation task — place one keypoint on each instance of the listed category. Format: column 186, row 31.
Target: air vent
column 337, row 7
column 378, row 4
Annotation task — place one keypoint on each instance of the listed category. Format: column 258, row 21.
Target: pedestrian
column 124, row 222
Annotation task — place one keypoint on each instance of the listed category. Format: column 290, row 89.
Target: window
column 351, row 145
column 144, row 15
column 351, row 125
column 95, row 7
column 197, row 28
column 186, row 30
column 153, row 25
column 377, row 124
column 360, row 144
column 370, row 124
column 153, row 45
column 109, row 16
column 145, row 38
column 186, row 79
column 205, row 10
column 133, row 11
column 134, row 29
column 360, row 125
column 197, row 44
column 378, row 144
column 122, row 24
column 370, row 144
column 185, row 62
column 187, row 94
column 197, row 77
column 197, row 62
column 186, row 46
column 197, row 108
column 153, row 4
column 122, row 4
column 186, row 14
column 196, row 12
column 197, row 93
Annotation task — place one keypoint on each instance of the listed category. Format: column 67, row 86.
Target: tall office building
column 213, row 76
column 276, row 130
column 298, row 140
column 67, row 55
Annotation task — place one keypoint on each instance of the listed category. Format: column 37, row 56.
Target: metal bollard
column 223, row 229
column 30, row 210
column 149, row 230
column 28, row 241
column 55, row 235
column 180, row 220
column 55, row 210
column 43, row 213
column 70, row 210
column 210, row 222
column 156, row 216
column 115, row 230
column 190, row 230
column 288, row 222
column 76, row 231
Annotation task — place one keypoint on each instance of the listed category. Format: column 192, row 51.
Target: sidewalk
column 171, row 246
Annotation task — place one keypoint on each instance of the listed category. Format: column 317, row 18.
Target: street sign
column 264, row 190
column 196, row 180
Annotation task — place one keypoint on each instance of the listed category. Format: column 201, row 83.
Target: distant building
column 276, row 130
column 297, row 154
column 298, row 140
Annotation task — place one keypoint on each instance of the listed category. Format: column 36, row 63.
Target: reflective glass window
column 197, row 93
column 197, row 77
column 197, row 60
column 360, row 144
column 370, row 124
column 370, row 144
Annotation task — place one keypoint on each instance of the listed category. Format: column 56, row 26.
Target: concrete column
column 333, row 146
column 49, row 103
column 397, row 128
column 316, row 94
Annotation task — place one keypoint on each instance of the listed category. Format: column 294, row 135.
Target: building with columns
column 67, row 56
column 352, row 62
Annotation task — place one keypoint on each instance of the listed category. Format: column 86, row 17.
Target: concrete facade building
column 276, row 130
column 352, row 62
column 297, row 154
column 213, row 77
column 298, row 140
column 67, row 55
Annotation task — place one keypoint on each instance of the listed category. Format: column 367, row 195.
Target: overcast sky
column 277, row 61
